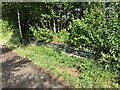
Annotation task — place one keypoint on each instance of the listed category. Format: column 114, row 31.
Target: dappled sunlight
column 19, row 72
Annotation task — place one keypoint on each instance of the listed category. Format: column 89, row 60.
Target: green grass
column 80, row 73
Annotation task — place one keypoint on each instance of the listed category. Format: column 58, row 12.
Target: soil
column 19, row 72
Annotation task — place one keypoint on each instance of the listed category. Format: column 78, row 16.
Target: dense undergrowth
column 96, row 31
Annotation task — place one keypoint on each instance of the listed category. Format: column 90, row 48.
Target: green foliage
column 100, row 29
column 9, row 34
column 40, row 34
column 62, row 36
column 5, row 26
column 112, row 42
column 88, row 73
column 52, row 15
column 78, row 34
column 94, row 75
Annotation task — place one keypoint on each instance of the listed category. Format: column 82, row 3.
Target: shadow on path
column 4, row 49
column 19, row 72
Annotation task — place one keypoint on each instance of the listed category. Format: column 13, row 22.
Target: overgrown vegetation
column 81, row 73
column 42, row 35
column 93, row 26
column 96, row 31
column 61, row 37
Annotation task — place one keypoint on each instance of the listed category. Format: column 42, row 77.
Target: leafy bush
column 78, row 34
column 40, row 34
column 100, row 29
column 62, row 36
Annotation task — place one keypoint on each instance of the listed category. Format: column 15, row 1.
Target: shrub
column 78, row 34
column 41, row 34
column 100, row 29
column 63, row 35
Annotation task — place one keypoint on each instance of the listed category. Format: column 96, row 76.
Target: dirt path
column 18, row 72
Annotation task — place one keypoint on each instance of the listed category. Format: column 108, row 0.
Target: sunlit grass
column 90, row 74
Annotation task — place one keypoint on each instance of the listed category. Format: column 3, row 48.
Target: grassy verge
column 80, row 73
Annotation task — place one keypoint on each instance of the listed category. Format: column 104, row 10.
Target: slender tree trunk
column 61, row 21
column 19, row 23
column 58, row 26
column 50, row 25
column 54, row 26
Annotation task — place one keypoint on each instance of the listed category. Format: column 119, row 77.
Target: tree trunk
column 61, row 21
column 58, row 25
column 19, row 23
column 54, row 26
column 50, row 25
